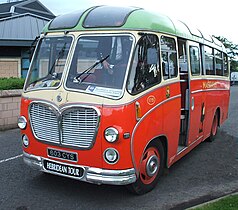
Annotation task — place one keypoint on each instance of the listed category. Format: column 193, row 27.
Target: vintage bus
column 116, row 94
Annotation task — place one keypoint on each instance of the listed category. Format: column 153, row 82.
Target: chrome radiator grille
column 44, row 123
column 75, row 126
column 78, row 127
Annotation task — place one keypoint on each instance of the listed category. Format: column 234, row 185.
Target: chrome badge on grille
column 59, row 98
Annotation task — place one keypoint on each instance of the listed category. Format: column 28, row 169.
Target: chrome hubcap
column 152, row 165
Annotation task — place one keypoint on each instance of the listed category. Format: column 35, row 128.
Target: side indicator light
column 138, row 111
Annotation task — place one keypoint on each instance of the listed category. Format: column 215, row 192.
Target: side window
column 145, row 71
column 194, row 60
column 209, row 61
column 183, row 61
column 218, row 62
column 169, row 57
column 226, row 71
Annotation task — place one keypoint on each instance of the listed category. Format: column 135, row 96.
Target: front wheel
column 150, row 169
column 214, row 128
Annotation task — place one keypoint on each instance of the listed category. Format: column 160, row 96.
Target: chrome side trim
column 206, row 137
column 207, row 77
column 208, row 90
column 185, row 148
column 91, row 174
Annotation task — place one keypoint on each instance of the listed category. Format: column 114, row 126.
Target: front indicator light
column 25, row 141
column 22, row 122
column 111, row 134
column 111, row 156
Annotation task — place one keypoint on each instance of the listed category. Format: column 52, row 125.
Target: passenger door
column 196, row 104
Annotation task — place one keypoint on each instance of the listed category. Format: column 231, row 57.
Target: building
column 20, row 23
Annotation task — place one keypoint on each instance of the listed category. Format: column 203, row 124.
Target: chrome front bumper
column 92, row 175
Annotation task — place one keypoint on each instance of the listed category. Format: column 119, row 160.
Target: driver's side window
column 145, row 71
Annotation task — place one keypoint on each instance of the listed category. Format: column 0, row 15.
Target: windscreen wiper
column 77, row 78
column 60, row 54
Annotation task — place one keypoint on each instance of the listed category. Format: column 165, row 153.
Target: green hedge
column 11, row 83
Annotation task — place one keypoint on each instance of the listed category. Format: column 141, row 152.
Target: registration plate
column 63, row 169
column 64, row 155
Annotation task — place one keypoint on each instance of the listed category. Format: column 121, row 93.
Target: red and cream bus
column 116, row 94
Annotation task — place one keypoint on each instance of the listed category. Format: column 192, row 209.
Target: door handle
column 192, row 106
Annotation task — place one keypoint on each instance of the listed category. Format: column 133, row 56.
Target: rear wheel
column 150, row 169
column 214, row 128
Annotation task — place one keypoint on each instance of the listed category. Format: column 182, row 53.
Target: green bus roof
column 128, row 18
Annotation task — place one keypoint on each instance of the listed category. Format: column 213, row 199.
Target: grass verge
column 227, row 203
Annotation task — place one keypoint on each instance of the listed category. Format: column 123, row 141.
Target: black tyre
column 214, row 128
column 151, row 168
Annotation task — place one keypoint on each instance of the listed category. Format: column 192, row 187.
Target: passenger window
column 183, row 61
column 145, row 71
column 226, row 73
column 209, row 61
column 218, row 61
column 169, row 57
column 194, row 60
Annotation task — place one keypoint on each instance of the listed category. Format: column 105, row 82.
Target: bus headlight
column 22, row 122
column 111, row 156
column 25, row 141
column 111, row 134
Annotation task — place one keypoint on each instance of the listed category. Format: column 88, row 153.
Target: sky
column 214, row 17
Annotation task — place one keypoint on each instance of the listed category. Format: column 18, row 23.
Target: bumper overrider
column 86, row 174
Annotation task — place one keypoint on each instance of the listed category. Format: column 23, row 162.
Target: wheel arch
column 218, row 111
column 164, row 142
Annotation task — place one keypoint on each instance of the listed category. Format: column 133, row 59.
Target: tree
column 232, row 50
